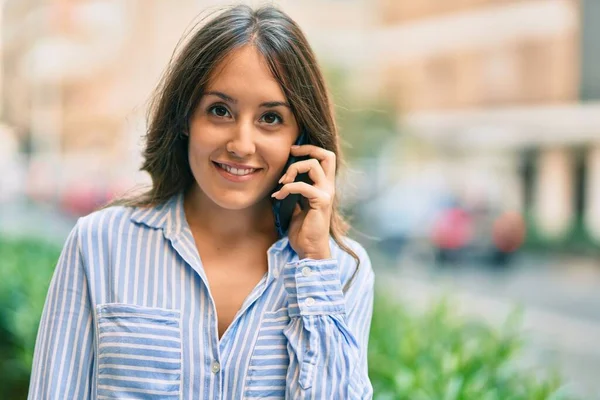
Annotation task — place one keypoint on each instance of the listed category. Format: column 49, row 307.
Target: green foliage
column 26, row 267
column 438, row 356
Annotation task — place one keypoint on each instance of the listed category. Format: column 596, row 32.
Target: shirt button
column 306, row 271
column 309, row 301
column 215, row 367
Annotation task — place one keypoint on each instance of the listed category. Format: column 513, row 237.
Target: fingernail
column 281, row 179
column 275, row 194
column 295, row 146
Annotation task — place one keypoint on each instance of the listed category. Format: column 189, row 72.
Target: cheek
column 196, row 153
column 201, row 145
column 202, row 137
column 197, row 147
column 278, row 154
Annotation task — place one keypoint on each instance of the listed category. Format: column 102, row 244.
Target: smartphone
column 283, row 209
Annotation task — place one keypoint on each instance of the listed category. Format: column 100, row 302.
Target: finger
column 325, row 157
column 312, row 166
column 316, row 197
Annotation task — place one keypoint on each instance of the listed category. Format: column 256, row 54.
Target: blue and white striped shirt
column 129, row 315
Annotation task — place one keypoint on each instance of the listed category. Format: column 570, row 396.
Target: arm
column 328, row 335
column 63, row 357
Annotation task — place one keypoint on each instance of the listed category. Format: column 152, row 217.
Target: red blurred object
column 453, row 230
column 79, row 200
column 508, row 232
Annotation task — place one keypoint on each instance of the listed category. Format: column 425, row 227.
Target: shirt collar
column 167, row 216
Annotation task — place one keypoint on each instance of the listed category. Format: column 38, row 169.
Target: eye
column 218, row 111
column 272, row 118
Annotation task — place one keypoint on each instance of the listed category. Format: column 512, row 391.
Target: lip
column 234, row 178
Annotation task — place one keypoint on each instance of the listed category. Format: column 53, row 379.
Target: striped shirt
column 129, row 314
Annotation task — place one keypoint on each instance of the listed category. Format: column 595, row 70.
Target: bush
column 26, row 267
column 438, row 356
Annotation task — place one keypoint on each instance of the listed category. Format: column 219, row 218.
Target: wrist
column 319, row 255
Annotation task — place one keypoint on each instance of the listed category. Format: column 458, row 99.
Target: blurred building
column 508, row 91
column 499, row 98
column 503, row 93
column 77, row 76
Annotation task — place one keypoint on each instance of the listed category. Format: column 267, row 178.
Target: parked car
column 482, row 235
column 404, row 215
column 429, row 221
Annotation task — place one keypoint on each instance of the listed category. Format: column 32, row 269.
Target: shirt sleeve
column 328, row 331
column 63, row 356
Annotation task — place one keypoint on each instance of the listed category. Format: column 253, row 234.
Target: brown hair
column 289, row 56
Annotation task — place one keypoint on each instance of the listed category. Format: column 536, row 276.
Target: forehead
column 245, row 71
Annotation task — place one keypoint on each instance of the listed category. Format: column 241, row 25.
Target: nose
column 242, row 143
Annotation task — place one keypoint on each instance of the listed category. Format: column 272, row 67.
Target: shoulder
column 102, row 221
column 104, row 228
column 92, row 231
column 348, row 264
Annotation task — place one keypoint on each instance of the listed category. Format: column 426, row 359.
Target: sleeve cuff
column 313, row 287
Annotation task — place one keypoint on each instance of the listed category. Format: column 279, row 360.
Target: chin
column 234, row 201
column 233, row 198
column 235, row 205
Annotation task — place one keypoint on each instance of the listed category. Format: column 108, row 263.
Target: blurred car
column 404, row 215
column 428, row 221
column 481, row 235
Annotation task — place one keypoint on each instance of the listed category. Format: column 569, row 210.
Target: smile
column 236, row 171
column 235, row 174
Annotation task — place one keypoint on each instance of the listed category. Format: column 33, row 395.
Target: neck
column 229, row 226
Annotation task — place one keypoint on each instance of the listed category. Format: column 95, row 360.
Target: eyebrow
column 234, row 101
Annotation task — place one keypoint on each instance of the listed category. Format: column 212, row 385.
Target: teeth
column 235, row 171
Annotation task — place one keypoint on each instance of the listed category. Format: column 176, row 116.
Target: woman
column 188, row 292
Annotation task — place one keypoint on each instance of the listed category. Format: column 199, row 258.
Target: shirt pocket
column 269, row 362
column 139, row 352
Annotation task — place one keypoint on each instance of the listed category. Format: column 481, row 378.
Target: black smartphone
column 283, row 209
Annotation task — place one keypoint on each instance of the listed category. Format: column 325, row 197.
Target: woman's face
column 244, row 120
